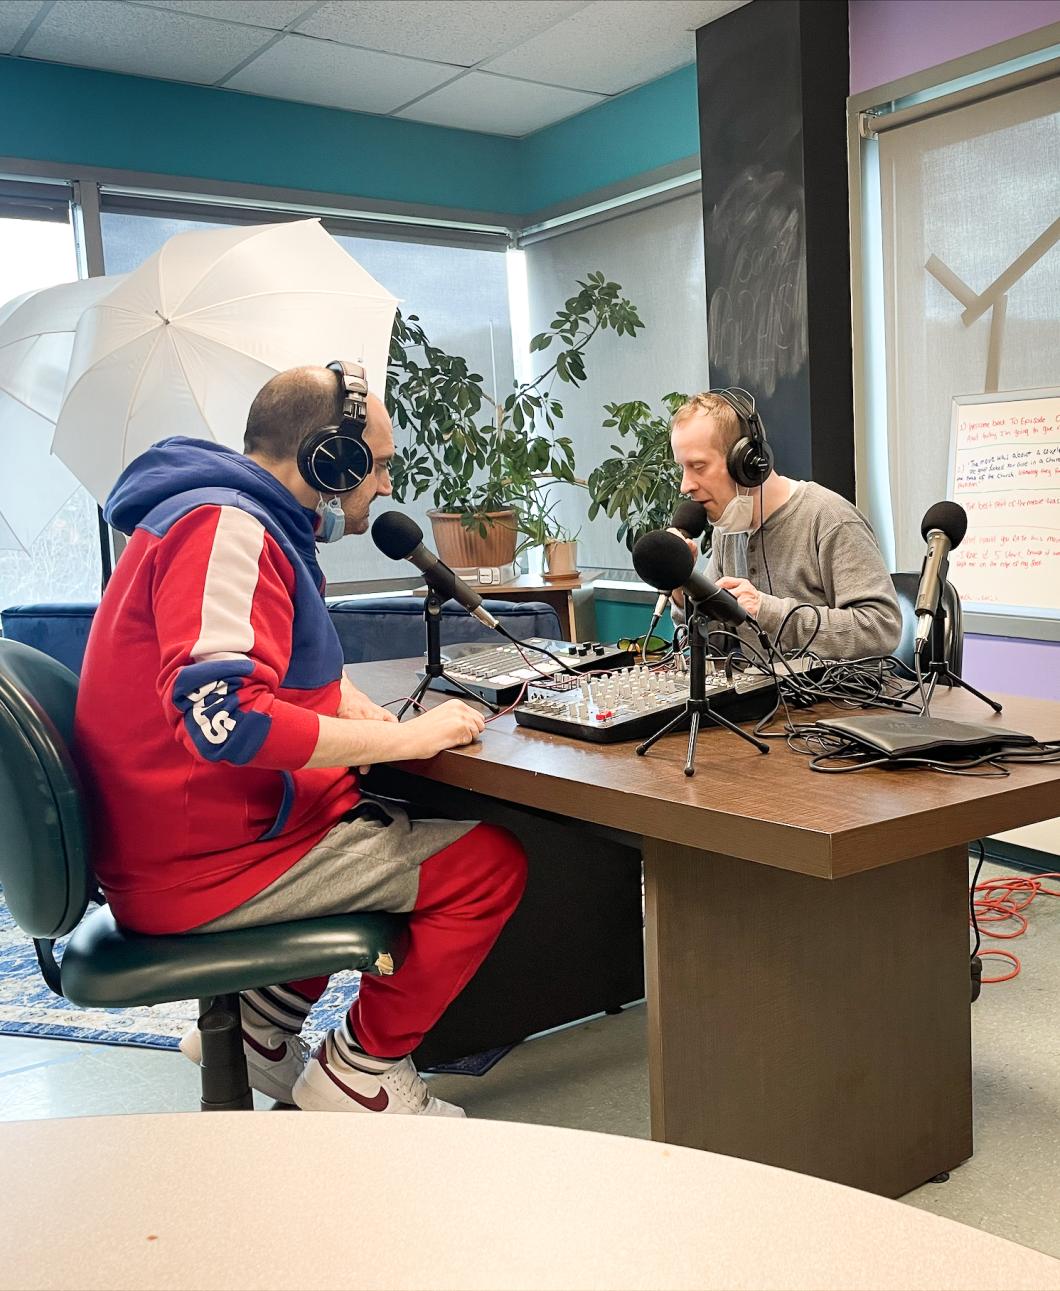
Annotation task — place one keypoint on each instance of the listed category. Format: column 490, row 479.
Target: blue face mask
column 332, row 520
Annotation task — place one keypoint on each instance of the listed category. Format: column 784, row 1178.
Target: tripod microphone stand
column 697, row 706
column 432, row 618
column 938, row 666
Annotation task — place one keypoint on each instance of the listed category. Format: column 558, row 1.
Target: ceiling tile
column 15, row 17
column 274, row 14
column 612, row 45
column 142, row 41
column 497, row 105
column 319, row 71
column 448, row 31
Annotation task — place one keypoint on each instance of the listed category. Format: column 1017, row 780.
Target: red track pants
column 467, row 894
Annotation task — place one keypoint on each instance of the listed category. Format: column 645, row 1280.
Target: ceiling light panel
column 498, row 105
column 15, row 17
column 142, row 41
column 273, row 14
column 612, row 45
column 336, row 76
column 451, row 31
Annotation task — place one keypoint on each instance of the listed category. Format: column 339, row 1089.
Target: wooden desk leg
column 818, row 1025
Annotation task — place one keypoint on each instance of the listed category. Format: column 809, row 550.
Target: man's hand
column 746, row 593
column 691, row 543
column 367, row 741
column 446, row 727
column 355, row 704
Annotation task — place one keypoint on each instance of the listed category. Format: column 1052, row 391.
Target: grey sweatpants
column 369, row 860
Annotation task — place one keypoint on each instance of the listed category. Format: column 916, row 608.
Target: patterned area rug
column 29, row 1008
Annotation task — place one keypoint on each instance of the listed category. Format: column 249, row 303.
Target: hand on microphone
column 691, row 543
column 749, row 597
column 689, row 523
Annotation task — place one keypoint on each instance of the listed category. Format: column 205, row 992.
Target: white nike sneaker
column 275, row 1058
column 399, row 1090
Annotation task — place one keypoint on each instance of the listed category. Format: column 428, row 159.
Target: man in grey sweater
column 781, row 543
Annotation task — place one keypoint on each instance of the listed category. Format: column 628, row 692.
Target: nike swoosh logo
column 379, row 1102
column 276, row 1054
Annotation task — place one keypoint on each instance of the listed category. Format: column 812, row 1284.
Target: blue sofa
column 371, row 627
column 391, row 627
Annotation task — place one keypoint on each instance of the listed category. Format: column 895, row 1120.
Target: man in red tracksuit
column 217, row 733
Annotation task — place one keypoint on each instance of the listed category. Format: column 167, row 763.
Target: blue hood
column 179, row 465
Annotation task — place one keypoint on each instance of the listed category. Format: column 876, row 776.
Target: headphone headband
column 750, row 460
column 354, row 392
column 335, row 459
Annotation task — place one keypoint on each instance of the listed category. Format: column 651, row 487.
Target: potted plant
column 541, row 528
column 488, row 463
column 641, row 483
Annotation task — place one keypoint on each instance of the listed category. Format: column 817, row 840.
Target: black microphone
column 690, row 519
column 943, row 528
column 664, row 561
column 401, row 538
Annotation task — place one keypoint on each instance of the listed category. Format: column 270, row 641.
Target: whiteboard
column 1005, row 472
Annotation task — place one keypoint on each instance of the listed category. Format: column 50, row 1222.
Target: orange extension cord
column 1003, row 901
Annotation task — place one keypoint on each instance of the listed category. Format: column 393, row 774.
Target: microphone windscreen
column 662, row 560
column 690, row 517
column 396, row 535
column 949, row 518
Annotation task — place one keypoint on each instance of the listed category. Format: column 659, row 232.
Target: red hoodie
column 210, row 656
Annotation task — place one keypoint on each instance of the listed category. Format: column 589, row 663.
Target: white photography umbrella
column 36, row 340
column 183, row 345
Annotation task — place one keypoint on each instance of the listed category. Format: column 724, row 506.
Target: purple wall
column 1007, row 666
column 893, row 38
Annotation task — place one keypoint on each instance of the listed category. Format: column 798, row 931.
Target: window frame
column 99, row 189
column 989, row 72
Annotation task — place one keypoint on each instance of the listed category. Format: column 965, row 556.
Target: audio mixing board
column 497, row 674
column 633, row 703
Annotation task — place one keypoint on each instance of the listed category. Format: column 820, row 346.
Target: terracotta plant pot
column 463, row 548
column 561, row 560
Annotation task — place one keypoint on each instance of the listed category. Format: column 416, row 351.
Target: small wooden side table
column 571, row 598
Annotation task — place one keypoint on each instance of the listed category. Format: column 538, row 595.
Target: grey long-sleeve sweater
column 820, row 551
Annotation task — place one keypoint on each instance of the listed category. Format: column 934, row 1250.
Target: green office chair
column 46, row 873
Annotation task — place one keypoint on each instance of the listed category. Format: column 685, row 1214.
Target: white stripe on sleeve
column 231, row 580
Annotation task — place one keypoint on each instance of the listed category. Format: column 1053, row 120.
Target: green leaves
column 475, row 454
column 640, row 484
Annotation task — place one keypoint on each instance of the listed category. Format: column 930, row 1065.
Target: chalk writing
column 757, row 317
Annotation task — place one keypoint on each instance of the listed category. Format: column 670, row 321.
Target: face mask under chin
column 738, row 516
column 332, row 520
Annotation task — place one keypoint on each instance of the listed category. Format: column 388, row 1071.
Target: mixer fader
column 632, row 703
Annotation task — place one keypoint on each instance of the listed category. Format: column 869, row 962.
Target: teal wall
column 617, row 619
column 617, row 140
column 50, row 112
column 54, row 113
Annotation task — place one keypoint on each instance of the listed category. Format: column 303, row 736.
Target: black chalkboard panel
column 773, row 79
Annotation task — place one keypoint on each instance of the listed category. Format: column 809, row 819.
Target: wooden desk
column 571, row 598
column 177, row 1201
column 806, row 935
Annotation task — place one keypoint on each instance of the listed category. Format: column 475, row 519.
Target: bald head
column 288, row 408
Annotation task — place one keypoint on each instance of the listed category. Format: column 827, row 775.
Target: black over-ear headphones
column 335, row 459
column 750, row 460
